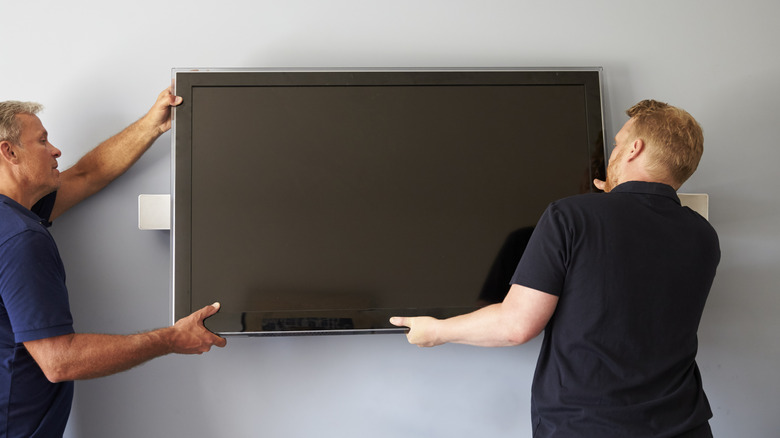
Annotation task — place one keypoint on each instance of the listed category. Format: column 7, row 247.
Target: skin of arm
column 86, row 356
column 114, row 156
column 519, row 318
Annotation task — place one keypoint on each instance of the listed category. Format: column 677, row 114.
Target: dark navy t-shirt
column 632, row 269
column 33, row 305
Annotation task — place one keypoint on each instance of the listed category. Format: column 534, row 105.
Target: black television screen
column 312, row 202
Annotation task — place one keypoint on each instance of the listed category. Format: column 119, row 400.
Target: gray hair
column 10, row 128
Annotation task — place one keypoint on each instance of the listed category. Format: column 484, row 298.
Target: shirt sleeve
column 32, row 284
column 545, row 260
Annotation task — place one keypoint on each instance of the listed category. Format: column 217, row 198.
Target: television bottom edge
column 319, row 322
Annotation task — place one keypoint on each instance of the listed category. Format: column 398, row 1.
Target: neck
column 650, row 179
column 26, row 204
column 638, row 171
column 17, row 193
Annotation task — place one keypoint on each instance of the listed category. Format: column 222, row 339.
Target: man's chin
column 56, row 185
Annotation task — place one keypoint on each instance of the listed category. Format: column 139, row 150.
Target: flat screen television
column 323, row 202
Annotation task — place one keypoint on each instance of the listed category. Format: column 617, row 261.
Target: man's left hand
column 422, row 330
column 160, row 114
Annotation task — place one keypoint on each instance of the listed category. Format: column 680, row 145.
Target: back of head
column 10, row 127
column 674, row 139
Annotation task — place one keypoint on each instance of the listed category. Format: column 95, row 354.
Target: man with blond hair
column 40, row 355
column 617, row 281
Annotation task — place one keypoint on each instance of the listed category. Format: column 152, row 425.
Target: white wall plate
column 698, row 202
column 154, row 212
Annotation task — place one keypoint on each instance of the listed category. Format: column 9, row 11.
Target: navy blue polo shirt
column 33, row 305
column 632, row 269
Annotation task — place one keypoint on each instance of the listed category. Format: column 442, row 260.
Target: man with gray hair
column 40, row 355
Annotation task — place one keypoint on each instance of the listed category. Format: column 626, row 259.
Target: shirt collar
column 647, row 188
column 21, row 209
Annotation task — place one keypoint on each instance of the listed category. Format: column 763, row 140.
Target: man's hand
column 114, row 156
column 160, row 114
column 190, row 336
column 422, row 330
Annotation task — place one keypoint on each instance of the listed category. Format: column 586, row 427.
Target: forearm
column 486, row 327
column 113, row 157
column 88, row 356
column 519, row 318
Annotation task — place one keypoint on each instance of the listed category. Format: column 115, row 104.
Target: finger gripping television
column 325, row 202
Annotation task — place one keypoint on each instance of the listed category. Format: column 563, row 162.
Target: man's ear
column 8, row 152
column 636, row 149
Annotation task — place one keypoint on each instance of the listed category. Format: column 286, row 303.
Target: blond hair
column 10, row 128
column 674, row 138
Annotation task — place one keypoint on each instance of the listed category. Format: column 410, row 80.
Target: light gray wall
column 98, row 65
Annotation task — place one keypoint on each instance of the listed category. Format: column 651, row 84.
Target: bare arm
column 113, row 157
column 86, row 356
column 519, row 318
